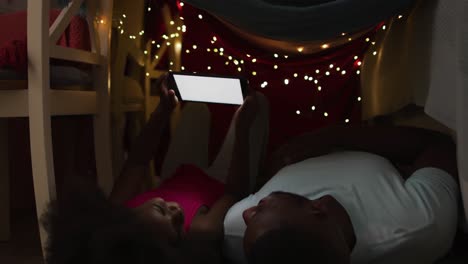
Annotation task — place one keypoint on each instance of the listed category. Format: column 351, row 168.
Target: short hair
column 291, row 245
column 83, row 226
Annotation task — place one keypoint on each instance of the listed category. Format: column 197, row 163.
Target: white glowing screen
column 209, row 89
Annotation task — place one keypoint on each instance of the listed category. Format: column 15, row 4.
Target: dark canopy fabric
column 302, row 20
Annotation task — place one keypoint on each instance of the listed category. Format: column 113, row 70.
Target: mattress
column 61, row 77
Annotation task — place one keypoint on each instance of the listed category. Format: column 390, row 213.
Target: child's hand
column 168, row 99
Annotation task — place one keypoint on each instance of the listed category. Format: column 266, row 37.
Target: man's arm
column 132, row 175
column 210, row 227
column 398, row 144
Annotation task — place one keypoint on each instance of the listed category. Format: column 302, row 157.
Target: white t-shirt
column 395, row 221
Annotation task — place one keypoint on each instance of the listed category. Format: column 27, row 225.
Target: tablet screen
column 209, row 89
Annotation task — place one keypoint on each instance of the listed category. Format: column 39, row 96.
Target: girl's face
column 165, row 218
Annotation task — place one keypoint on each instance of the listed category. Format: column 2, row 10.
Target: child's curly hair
column 85, row 227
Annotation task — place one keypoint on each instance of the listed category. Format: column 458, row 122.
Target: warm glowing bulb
column 200, row 16
column 359, row 63
column 171, row 63
column 181, row 3
column 275, row 67
column 168, row 43
column 276, row 55
column 194, row 46
column 221, row 49
column 236, row 62
column 327, row 73
column 325, row 46
column 239, row 69
column 182, row 68
column 400, row 17
column 209, row 67
column 153, row 42
column 350, row 39
column 172, row 22
column 319, row 88
column 124, row 15
column 358, row 72
column 149, row 8
column 147, row 74
column 311, row 79
column 347, row 120
column 254, row 73
column 158, row 46
column 254, row 60
column 384, row 27
column 316, row 81
column 286, row 81
column 313, row 108
column 359, row 99
column 343, row 72
column 338, row 68
column 325, row 114
column 298, row 112
column 317, row 71
column 295, row 75
column 356, row 57
column 331, row 66
column 145, row 52
column 306, row 77
column 264, row 84
column 300, row 49
column 374, row 53
column 367, row 39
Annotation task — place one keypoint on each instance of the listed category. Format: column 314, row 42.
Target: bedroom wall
column 134, row 10
column 15, row 5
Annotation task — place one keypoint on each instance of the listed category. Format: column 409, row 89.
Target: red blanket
column 13, row 49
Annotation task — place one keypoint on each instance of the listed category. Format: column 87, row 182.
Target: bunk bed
column 43, row 98
column 127, row 97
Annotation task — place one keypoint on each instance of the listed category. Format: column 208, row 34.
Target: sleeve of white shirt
column 435, row 193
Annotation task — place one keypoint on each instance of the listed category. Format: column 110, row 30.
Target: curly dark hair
column 292, row 245
column 85, row 227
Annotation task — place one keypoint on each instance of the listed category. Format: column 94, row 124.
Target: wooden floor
column 24, row 246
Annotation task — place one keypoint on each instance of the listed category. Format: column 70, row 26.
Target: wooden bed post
column 39, row 108
column 102, row 123
column 4, row 182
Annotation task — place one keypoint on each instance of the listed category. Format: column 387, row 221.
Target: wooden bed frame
column 39, row 102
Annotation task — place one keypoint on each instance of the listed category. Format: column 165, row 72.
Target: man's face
column 280, row 209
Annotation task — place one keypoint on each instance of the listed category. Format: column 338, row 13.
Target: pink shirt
column 190, row 187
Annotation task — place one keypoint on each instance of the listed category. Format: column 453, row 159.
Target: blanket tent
column 323, row 62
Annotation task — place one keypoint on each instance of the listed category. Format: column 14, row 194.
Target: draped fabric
column 448, row 91
column 400, row 74
column 302, row 20
column 305, row 91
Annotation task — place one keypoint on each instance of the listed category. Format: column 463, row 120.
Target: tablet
column 208, row 88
